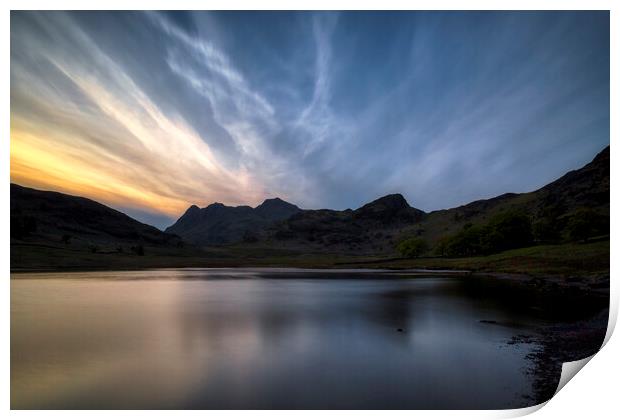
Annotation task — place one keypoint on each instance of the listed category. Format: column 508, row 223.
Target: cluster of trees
column 586, row 224
column 412, row 247
column 548, row 225
column 512, row 229
column 137, row 249
column 580, row 226
column 508, row 230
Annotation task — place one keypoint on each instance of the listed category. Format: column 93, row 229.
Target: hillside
column 281, row 224
column 47, row 217
column 377, row 227
column 371, row 228
column 218, row 224
column 50, row 230
column 550, row 206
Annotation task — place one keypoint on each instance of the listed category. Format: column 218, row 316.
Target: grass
column 570, row 259
column 37, row 257
column 564, row 259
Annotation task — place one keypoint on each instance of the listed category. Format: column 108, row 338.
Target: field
column 567, row 260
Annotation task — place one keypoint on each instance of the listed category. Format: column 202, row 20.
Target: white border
column 591, row 394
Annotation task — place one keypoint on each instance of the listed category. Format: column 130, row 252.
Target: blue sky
column 150, row 112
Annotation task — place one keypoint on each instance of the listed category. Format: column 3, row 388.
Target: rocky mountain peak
column 276, row 208
column 390, row 201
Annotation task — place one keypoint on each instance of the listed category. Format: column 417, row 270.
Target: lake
column 265, row 338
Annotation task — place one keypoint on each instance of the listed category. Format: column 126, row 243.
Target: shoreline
column 590, row 287
column 561, row 342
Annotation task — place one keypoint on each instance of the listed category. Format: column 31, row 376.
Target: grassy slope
column 565, row 260
column 585, row 187
column 442, row 223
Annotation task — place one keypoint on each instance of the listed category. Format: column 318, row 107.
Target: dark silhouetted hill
column 552, row 205
column 218, row 224
column 377, row 227
column 52, row 217
column 370, row 228
column 373, row 229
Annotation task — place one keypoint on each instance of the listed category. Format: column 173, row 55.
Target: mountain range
column 378, row 226
column 375, row 228
column 218, row 224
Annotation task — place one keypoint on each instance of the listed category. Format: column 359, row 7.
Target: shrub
column 508, row 230
column 548, row 225
column 469, row 241
column 412, row 247
column 585, row 224
column 546, row 230
column 504, row 231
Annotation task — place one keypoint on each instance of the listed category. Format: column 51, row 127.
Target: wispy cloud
column 146, row 158
column 317, row 118
column 322, row 109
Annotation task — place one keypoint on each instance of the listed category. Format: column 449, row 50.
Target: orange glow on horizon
column 107, row 140
column 35, row 163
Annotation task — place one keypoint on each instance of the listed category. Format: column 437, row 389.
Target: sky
column 151, row 112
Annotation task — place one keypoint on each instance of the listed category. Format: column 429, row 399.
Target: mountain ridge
column 57, row 217
column 218, row 224
column 375, row 227
column 553, row 204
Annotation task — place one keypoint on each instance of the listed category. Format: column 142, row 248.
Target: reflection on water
column 261, row 339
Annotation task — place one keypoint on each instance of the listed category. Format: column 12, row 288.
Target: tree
column 586, row 223
column 548, row 225
column 138, row 250
column 545, row 230
column 442, row 247
column 508, row 230
column 469, row 241
column 412, row 247
column 504, row 231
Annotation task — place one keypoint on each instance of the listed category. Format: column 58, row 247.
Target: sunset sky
column 152, row 112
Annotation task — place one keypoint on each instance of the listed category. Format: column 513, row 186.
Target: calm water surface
column 260, row 338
